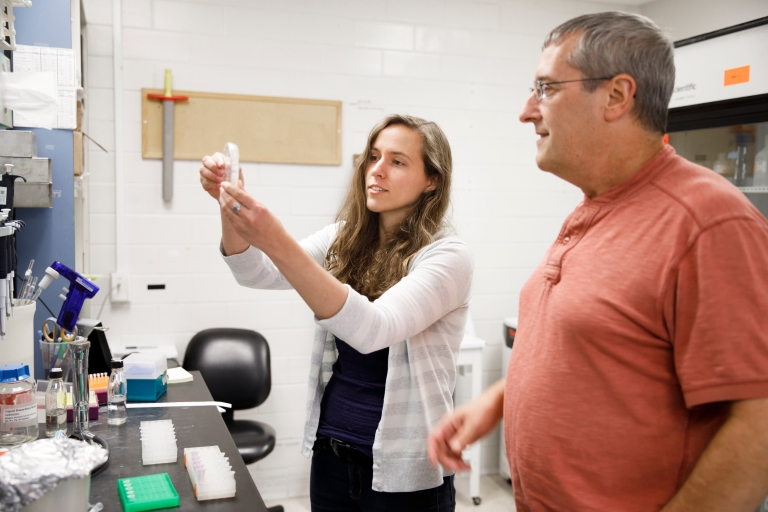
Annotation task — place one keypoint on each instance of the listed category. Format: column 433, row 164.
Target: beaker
column 79, row 350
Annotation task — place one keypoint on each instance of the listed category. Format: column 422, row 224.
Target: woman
column 390, row 289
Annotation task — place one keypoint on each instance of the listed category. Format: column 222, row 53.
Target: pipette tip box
column 145, row 390
column 146, row 375
column 209, row 471
column 149, row 492
column 158, row 442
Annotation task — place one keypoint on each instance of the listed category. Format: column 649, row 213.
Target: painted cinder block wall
column 466, row 65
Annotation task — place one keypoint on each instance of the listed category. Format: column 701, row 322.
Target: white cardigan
column 421, row 319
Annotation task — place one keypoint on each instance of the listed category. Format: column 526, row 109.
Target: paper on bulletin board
column 61, row 62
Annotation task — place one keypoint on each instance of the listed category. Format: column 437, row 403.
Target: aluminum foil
column 29, row 471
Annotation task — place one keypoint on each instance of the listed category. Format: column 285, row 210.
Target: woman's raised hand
column 251, row 220
column 212, row 174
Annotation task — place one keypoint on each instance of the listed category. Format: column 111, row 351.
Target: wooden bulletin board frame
column 265, row 128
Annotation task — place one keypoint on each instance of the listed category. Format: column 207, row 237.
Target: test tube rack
column 148, row 492
column 210, row 473
column 158, row 442
column 98, row 383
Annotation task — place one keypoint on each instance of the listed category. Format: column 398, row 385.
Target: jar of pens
column 54, row 346
column 57, row 333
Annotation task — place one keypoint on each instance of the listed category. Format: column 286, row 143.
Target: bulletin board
column 266, row 129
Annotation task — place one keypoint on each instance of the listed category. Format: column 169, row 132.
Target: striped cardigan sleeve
column 254, row 269
column 439, row 281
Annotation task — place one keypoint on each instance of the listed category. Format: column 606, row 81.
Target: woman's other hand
column 213, row 172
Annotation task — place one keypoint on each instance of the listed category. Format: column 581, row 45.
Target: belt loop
column 335, row 447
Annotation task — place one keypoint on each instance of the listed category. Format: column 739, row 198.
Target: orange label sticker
column 736, row 76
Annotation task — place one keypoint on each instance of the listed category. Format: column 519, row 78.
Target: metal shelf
column 754, row 190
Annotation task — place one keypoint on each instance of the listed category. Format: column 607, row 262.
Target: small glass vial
column 116, row 392
column 18, row 405
column 55, row 404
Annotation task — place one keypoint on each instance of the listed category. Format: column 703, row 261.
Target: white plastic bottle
column 740, row 177
column 232, row 160
column 761, row 166
column 116, row 392
column 55, row 406
column 721, row 164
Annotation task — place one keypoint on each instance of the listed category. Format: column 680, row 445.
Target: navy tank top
column 354, row 397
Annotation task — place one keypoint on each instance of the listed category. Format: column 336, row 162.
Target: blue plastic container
column 147, row 390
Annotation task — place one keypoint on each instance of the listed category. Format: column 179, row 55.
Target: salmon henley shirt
column 646, row 317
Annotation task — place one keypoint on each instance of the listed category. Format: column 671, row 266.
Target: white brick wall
column 466, row 65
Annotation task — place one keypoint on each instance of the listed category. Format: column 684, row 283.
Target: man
column 640, row 368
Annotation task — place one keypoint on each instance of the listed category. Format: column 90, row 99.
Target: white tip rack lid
column 145, row 365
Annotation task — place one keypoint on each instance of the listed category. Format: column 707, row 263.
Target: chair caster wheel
column 476, row 501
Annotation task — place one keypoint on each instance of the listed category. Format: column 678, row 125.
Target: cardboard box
column 77, row 141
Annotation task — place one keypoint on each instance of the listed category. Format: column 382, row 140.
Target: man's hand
column 464, row 426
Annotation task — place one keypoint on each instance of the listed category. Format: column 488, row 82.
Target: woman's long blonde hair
column 356, row 256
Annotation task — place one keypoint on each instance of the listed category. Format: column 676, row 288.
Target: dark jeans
column 338, row 486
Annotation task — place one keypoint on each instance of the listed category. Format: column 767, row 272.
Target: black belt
column 344, row 451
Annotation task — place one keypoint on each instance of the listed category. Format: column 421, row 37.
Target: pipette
column 232, row 161
column 48, row 278
column 27, row 279
column 27, row 291
column 7, row 261
column 79, row 289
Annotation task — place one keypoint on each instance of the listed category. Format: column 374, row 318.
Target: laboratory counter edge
column 194, row 427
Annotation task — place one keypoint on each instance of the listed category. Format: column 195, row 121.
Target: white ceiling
column 630, row 2
column 635, row 3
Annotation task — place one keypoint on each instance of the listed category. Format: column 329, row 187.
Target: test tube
column 27, row 277
column 232, row 160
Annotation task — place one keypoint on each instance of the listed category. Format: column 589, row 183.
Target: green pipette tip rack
column 149, row 492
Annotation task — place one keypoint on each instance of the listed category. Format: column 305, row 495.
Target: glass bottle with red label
column 18, row 405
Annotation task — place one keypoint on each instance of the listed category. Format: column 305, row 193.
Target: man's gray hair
column 611, row 43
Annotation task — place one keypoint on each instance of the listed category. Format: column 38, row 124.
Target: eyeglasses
column 539, row 87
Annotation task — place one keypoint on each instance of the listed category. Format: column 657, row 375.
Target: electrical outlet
column 120, row 287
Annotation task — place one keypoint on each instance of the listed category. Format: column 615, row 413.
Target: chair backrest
column 234, row 363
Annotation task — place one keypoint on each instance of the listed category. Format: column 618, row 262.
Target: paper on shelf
column 33, row 97
column 26, row 58
column 61, row 63
column 65, row 67
column 67, row 114
column 48, row 60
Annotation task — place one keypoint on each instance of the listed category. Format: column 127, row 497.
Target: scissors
column 52, row 332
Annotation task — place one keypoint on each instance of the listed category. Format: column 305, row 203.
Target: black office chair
column 235, row 366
